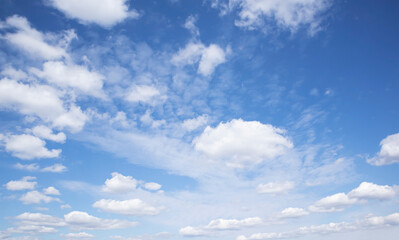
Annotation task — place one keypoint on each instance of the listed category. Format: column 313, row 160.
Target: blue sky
column 203, row 119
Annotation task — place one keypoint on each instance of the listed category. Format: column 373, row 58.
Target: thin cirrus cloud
column 275, row 188
column 105, row 13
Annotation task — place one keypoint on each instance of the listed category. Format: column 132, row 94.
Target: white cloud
column 40, row 219
column 288, row 14
column 35, row 197
column 34, row 42
column 65, row 206
column 367, row 190
column 29, row 147
column 72, row 76
column 120, row 184
column 190, row 25
column 28, row 167
column 208, row 57
column 56, row 168
column 82, row 220
column 152, row 186
column 334, row 203
column 219, row 224
column 389, row 152
column 243, row 143
column 144, row 94
column 46, row 133
column 148, row 120
column 195, row 123
column 31, row 229
column 293, row 213
column 51, row 191
column 42, row 101
column 14, row 74
column 133, row 207
column 105, row 13
column 79, row 235
column 23, row 184
column 275, row 187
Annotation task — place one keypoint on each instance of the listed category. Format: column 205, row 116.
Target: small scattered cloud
column 275, row 188
column 389, row 152
column 120, row 184
column 35, row 197
column 26, row 183
column 131, row 207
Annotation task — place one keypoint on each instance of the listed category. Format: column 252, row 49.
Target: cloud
column 152, row 186
column 334, row 203
column 13, row 73
column 82, row 220
column 35, row 197
column 243, row 143
column 28, row 167
column 389, row 152
column 208, row 57
column 144, row 94
column 330, row 228
column 190, row 25
column 42, row 101
column 31, row 229
column 195, row 123
column 72, row 76
column 79, row 235
column 219, row 224
column 275, row 187
column 39, row 219
column 105, row 13
column 56, row 168
column 24, row 184
column 29, row 147
column 131, row 207
column 65, row 206
column 367, row 190
column 293, row 213
column 51, row 191
column 120, row 184
column 34, row 42
column 290, row 14
column 44, row 132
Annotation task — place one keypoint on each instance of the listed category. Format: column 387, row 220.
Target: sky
column 201, row 119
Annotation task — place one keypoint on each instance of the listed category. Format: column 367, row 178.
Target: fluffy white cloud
column 79, row 235
column 105, row 13
column 120, row 184
column 13, row 73
column 334, row 203
column 275, row 187
column 208, row 57
column 51, row 191
column 35, row 197
column 152, row 186
column 42, row 101
column 288, row 14
column 28, row 167
column 23, row 184
column 29, row 147
column 34, row 42
column 243, row 143
column 46, row 133
column 39, row 219
column 72, row 76
column 389, row 152
column 219, row 224
column 31, row 229
column 144, row 94
column 56, row 168
column 133, row 207
column 367, row 190
column 82, row 220
column 293, row 213
column 195, row 123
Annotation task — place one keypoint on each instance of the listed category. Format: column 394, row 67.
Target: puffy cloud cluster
column 389, row 152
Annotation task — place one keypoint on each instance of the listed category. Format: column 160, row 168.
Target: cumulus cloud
column 275, row 187
column 44, row 132
column 293, row 213
column 330, row 228
column 131, row 207
column 42, row 101
column 120, row 184
column 72, row 76
column 367, row 190
column 242, row 143
column 35, row 197
column 31, row 229
column 152, row 186
column 27, row 167
column 389, row 152
column 81, row 220
column 51, row 191
column 29, row 147
column 144, row 94
column 290, row 14
column 208, row 57
column 39, row 219
column 34, row 42
column 24, row 184
column 56, row 168
column 105, row 13
column 334, row 203
column 218, row 225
